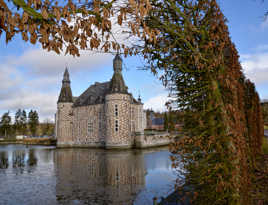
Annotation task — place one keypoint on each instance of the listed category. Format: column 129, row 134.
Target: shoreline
column 31, row 141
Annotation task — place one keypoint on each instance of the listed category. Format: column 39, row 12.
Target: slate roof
column 66, row 92
column 65, row 95
column 117, row 84
column 95, row 94
column 158, row 121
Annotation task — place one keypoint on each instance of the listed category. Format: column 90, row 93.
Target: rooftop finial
column 117, row 63
column 66, row 77
column 139, row 98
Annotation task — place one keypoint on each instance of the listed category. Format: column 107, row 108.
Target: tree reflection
column 4, row 160
column 18, row 161
column 32, row 161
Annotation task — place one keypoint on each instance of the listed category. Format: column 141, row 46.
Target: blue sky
column 31, row 78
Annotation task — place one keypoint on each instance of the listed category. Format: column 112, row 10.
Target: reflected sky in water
column 45, row 175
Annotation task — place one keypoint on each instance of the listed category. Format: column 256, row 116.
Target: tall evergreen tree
column 33, row 121
column 5, row 125
column 24, row 122
column 18, row 124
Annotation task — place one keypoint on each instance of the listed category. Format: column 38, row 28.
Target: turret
column 141, row 117
column 117, row 63
column 117, row 110
column 117, row 84
column 64, row 115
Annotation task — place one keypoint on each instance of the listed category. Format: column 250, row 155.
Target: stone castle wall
column 145, row 141
column 117, row 111
column 64, row 120
column 116, row 124
column 136, row 118
column 89, row 125
column 109, row 125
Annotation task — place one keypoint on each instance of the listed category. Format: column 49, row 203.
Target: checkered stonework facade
column 105, row 115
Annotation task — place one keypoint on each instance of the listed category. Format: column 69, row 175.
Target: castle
column 106, row 115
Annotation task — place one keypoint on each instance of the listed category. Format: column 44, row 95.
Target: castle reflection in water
column 82, row 176
column 103, row 176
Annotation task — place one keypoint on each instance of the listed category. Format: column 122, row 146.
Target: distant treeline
column 24, row 124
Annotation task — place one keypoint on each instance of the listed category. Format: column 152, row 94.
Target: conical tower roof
column 66, row 92
column 117, row 84
column 66, row 76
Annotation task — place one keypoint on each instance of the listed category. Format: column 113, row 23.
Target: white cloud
column 33, row 80
column 44, row 103
column 41, row 62
column 255, row 67
column 9, row 77
column 157, row 103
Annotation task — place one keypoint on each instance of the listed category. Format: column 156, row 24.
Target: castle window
column 90, row 127
column 116, row 110
column 116, row 126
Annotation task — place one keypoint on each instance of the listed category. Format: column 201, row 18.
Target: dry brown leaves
column 71, row 27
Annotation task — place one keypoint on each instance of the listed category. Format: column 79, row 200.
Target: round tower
column 141, row 119
column 117, row 107
column 64, row 117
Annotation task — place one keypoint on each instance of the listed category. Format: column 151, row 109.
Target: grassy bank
column 31, row 141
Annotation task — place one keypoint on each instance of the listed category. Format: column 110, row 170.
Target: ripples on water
column 45, row 175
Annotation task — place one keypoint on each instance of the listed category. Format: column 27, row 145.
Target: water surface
column 44, row 175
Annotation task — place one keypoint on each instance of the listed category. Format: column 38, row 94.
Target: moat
column 45, row 175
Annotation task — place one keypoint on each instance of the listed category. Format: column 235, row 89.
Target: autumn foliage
column 186, row 42
column 74, row 25
column 223, row 122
